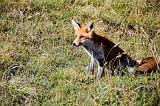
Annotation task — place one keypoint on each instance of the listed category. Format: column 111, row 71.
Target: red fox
column 105, row 52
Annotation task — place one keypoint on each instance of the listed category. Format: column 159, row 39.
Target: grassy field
column 39, row 66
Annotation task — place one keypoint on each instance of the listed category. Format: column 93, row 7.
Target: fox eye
column 81, row 36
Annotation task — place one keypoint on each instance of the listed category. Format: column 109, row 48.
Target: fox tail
column 148, row 64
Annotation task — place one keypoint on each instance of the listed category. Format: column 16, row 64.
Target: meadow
column 40, row 67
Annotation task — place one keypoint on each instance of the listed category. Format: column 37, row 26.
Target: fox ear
column 75, row 25
column 90, row 27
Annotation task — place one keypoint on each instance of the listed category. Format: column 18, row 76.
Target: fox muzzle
column 77, row 44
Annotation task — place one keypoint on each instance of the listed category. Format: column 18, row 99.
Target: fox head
column 82, row 33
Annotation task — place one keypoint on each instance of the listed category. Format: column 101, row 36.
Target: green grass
column 39, row 66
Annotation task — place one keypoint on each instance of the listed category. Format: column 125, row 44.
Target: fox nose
column 77, row 44
column 74, row 44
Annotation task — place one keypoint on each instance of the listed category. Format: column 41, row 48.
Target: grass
column 39, row 66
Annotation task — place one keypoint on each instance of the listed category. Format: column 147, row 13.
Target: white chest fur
column 93, row 50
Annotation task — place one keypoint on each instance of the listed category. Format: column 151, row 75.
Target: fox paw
column 90, row 70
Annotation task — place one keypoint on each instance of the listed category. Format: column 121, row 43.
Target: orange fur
column 148, row 64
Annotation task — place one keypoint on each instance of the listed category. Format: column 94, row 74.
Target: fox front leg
column 91, row 66
column 100, row 68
